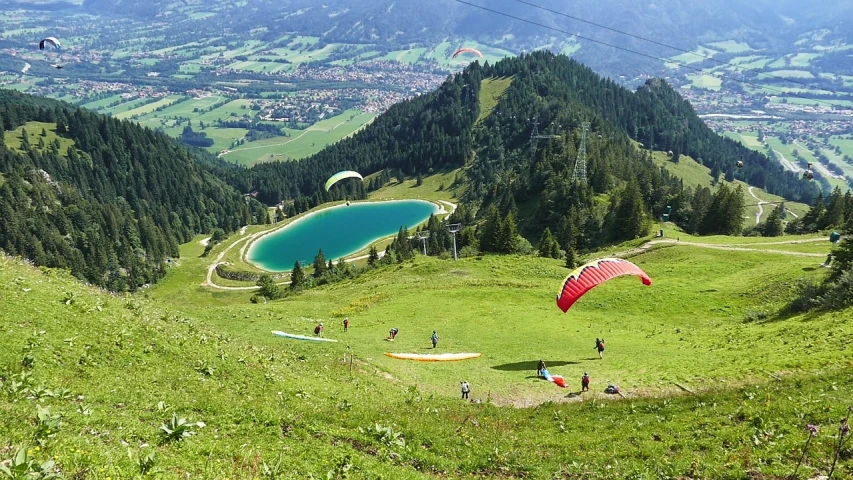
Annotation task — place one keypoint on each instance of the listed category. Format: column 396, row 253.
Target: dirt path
column 442, row 210
column 761, row 204
column 743, row 247
column 787, row 164
column 816, row 164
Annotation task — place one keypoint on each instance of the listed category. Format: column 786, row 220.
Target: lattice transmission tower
column 580, row 164
column 535, row 136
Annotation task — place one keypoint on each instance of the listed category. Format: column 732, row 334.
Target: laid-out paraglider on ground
column 301, row 337
column 433, row 357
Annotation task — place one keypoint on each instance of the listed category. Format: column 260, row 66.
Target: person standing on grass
column 599, row 345
column 346, row 324
column 318, row 330
column 465, row 390
column 434, row 339
column 585, row 382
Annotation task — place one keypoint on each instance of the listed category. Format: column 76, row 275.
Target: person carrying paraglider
column 540, row 368
column 585, row 382
column 318, row 330
column 599, row 345
column 434, row 339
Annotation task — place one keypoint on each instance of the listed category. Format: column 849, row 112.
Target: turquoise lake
column 340, row 231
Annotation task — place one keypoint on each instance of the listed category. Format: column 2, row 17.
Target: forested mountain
column 440, row 131
column 107, row 199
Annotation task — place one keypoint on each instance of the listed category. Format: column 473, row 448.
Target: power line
column 628, row 50
column 661, row 44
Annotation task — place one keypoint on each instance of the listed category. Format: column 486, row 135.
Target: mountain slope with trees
column 625, row 191
column 106, row 199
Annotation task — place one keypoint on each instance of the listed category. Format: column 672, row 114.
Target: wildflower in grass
column 813, row 431
column 843, row 436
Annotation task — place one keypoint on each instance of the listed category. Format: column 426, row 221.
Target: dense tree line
column 834, row 212
column 836, row 291
column 114, row 206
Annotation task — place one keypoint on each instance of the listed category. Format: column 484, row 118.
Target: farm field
column 301, row 143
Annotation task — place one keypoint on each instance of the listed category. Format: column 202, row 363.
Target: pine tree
column 491, row 230
column 297, row 276
column 268, row 289
column 373, row 256
column 319, row 264
column 507, row 240
column 548, row 245
column 630, row 215
column 571, row 260
column 834, row 215
column 773, row 227
column 25, row 141
column 814, row 217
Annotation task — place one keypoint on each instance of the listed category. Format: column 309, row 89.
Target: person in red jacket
column 585, row 382
column 346, row 324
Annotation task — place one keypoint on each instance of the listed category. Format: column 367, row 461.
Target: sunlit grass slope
column 101, row 365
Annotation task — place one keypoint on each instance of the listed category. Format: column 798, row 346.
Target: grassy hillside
column 491, row 90
column 34, row 131
column 97, row 367
column 693, row 173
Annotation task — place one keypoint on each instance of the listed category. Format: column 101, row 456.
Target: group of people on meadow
column 392, row 334
column 585, row 380
column 465, row 386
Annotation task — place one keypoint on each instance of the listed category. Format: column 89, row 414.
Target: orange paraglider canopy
column 468, row 50
column 588, row 276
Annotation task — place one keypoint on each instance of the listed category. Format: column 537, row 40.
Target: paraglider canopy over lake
column 340, row 231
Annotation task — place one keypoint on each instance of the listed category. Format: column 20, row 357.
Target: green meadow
column 713, row 379
column 301, row 143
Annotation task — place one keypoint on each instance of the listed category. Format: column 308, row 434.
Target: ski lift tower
column 423, row 236
column 454, row 228
column 535, row 136
column 580, row 164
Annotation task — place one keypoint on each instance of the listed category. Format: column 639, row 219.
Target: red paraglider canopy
column 468, row 50
column 588, row 276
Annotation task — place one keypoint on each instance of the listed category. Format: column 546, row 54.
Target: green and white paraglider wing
column 340, row 176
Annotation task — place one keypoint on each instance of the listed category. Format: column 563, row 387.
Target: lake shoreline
column 250, row 247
